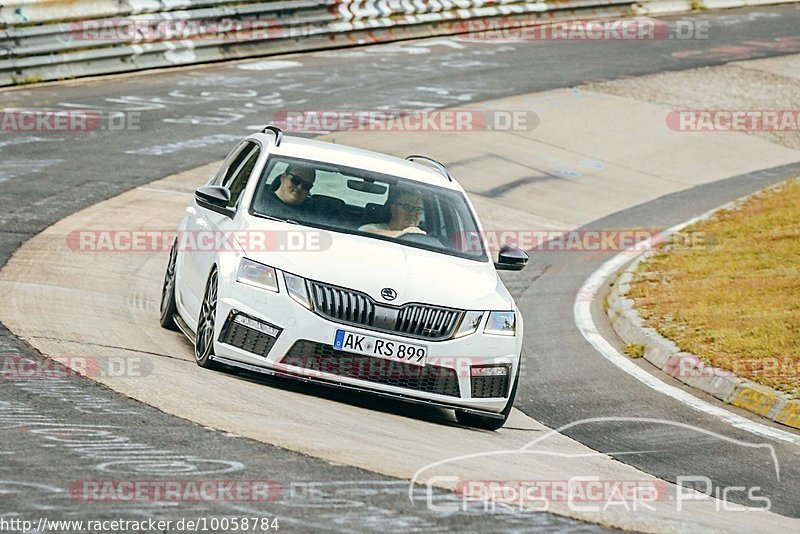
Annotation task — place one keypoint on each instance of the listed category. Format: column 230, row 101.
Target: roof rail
column 439, row 167
column 277, row 131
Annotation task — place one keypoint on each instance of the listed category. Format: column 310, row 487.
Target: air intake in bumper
column 249, row 334
column 325, row 359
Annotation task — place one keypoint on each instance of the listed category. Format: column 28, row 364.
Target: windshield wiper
column 271, row 218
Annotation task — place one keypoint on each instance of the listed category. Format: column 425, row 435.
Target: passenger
column 406, row 209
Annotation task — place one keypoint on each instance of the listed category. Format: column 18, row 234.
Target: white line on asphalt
column 583, row 319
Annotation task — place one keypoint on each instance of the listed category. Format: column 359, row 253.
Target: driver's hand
column 412, row 230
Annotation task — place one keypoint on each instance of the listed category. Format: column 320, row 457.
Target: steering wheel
column 422, row 239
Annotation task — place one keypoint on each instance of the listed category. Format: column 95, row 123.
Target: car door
column 192, row 259
column 218, row 225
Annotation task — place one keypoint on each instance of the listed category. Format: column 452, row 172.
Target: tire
column 490, row 423
column 168, row 307
column 204, row 340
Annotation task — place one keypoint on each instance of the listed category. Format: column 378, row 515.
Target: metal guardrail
column 13, row 12
column 264, row 17
column 50, row 40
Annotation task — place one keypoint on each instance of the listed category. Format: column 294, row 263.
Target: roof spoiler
column 277, row 131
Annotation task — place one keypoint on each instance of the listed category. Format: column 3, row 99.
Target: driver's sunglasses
column 299, row 182
column 410, row 208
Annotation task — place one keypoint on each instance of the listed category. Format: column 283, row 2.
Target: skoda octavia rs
column 362, row 271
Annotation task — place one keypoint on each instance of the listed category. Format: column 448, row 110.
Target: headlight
column 501, row 323
column 296, row 286
column 470, row 323
column 257, row 275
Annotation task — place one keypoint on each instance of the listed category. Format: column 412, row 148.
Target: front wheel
column 491, row 423
column 168, row 308
column 204, row 341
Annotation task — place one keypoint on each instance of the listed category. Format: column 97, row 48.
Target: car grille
column 246, row 338
column 484, row 387
column 413, row 320
column 324, row 358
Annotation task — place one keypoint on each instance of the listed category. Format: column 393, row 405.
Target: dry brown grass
column 734, row 298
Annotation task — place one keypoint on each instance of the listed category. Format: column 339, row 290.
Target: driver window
column 242, row 176
column 230, row 164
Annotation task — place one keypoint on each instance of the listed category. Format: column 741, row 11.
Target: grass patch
column 25, row 80
column 634, row 350
column 696, row 5
column 735, row 302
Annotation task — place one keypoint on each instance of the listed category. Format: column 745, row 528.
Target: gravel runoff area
column 761, row 84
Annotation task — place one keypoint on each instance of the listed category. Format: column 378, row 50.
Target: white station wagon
column 346, row 267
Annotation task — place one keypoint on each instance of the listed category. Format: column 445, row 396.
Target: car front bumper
column 276, row 335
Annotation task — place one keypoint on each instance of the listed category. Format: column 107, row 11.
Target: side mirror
column 511, row 259
column 214, row 198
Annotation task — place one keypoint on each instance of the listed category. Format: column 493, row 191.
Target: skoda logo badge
column 388, row 293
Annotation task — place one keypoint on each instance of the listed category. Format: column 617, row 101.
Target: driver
column 292, row 198
column 296, row 183
column 406, row 207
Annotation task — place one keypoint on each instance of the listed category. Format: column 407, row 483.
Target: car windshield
column 375, row 205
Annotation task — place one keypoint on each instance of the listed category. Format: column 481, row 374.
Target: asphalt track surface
column 192, row 117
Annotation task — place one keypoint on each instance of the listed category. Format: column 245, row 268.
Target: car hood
column 369, row 265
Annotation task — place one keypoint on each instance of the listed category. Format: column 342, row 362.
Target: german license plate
column 380, row 348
